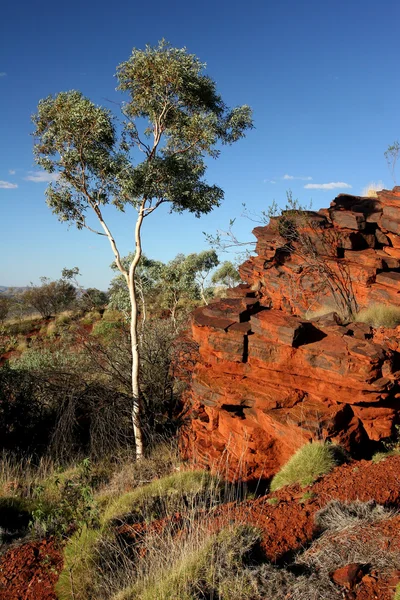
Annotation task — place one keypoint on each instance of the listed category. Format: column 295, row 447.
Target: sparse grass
column 378, row 456
column 163, row 460
column 64, row 318
column 100, row 551
column 22, row 346
column 347, row 538
column 306, row 496
column 51, row 329
column 91, row 317
column 76, row 578
column 164, row 496
column 338, row 516
column 370, row 190
column 273, row 501
column 307, row 464
column 112, row 316
column 213, row 569
column 380, row 315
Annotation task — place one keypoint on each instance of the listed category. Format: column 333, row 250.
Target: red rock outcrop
column 272, row 376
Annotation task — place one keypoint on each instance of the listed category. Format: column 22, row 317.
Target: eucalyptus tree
column 185, row 120
column 202, row 264
column 226, row 275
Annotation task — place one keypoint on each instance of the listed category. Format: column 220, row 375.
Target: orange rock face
column 272, row 376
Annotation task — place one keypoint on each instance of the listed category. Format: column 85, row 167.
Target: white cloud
column 269, row 181
column 327, row 186
column 294, row 177
column 6, row 185
column 41, row 177
column 11, row 171
column 2, row 74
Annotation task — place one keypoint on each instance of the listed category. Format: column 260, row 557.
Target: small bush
column 74, row 507
column 107, row 330
column 63, row 319
column 380, row 315
column 91, row 317
column 307, row 464
column 112, row 316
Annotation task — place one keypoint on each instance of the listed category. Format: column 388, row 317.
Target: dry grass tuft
column 380, row 315
column 370, row 191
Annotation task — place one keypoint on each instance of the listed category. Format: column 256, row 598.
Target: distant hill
column 4, row 289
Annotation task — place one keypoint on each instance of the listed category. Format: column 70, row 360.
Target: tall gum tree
column 174, row 118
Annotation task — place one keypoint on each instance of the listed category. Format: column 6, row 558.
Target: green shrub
column 73, row 507
column 397, row 592
column 380, row 315
column 45, row 359
column 112, row 316
column 107, row 330
column 91, row 317
column 307, row 464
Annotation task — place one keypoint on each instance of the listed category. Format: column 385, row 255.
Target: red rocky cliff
column 270, row 375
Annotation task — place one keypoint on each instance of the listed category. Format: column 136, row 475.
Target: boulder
column 279, row 364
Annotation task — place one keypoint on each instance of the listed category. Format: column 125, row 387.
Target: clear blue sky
column 322, row 78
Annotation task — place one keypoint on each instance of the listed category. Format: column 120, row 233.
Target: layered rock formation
column 273, row 375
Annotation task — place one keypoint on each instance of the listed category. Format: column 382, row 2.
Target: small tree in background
column 51, row 297
column 147, row 282
column 5, row 305
column 202, row 264
column 186, row 120
column 227, row 275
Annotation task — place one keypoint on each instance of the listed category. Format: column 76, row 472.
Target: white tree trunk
column 136, row 400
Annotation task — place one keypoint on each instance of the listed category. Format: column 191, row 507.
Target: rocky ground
column 29, row 571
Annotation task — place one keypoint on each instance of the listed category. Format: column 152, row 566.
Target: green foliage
column 166, row 87
column 74, row 508
column 397, row 592
column 226, row 275
column 307, row 464
column 216, row 569
column 380, row 315
column 164, row 496
column 107, row 330
column 44, row 359
column 93, row 299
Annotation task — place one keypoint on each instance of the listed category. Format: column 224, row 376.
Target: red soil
column 30, row 571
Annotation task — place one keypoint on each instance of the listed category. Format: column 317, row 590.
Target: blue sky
column 321, row 77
